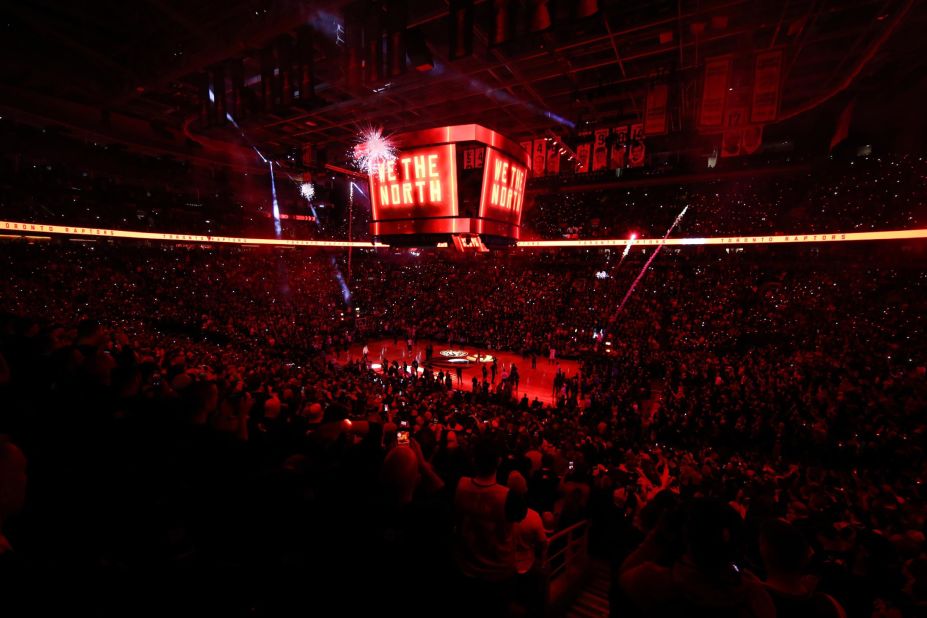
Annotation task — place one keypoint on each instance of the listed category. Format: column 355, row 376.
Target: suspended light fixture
column 540, row 16
column 587, row 8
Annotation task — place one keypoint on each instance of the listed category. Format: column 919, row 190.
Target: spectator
column 786, row 556
column 706, row 581
column 484, row 511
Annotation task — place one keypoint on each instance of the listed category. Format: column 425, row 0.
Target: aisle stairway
column 592, row 600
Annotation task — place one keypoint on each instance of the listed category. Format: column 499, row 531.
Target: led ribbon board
column 20, row 229
column 734, row 240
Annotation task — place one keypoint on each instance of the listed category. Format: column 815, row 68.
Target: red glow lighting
column 21, row 229
column 420, row 182
column 503, row 187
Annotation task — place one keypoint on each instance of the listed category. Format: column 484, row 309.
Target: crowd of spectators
column 745, row 436
column 877, row 192
column 47, row 176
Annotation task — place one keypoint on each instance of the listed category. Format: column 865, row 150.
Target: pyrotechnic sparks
column 652, row 256
column 372, row 149
column 273, row 195
column 627, row 248
column 307, row 190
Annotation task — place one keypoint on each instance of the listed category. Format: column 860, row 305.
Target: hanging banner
column 527, row 147
column 655, row 113
column 619, row 147
column 583, row 152
column 636, row 148
column 539, row 156
column 734, row 121
column 752, row 138
column 714, row 90
column 600, row 150
column 766, row 80
column 553, row 160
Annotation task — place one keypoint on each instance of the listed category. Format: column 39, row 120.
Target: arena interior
column 463, row 308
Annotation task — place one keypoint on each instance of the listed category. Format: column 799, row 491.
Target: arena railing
column 565, row 564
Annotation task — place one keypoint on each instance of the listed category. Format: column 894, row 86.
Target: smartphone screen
column 402, row 438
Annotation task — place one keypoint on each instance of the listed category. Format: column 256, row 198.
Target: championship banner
column 636, row 148
column 655, row 112
column 734, row 121
column 767, row 74
column 583, row 154
column 529, row 150
column 553, row 161
column 600, row 150
column 619, row 148
column 539, row 156
column 714, row 91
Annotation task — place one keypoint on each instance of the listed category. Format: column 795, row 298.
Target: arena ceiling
column 82, row 64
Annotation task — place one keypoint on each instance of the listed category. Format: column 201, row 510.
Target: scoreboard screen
column 503, row 188
column 463, row 180
column 417, row 183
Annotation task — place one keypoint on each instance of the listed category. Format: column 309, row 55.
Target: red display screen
column 503, row 188
column 419, row 183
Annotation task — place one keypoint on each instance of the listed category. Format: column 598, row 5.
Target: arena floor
column 537, row 382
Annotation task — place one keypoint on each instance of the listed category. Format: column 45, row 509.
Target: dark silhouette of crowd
column 184, row 433
column 875, row 192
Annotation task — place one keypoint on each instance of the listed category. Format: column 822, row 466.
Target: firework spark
column 627, row 248
column 373, row 149
column 307, row 190
column 652, row 257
